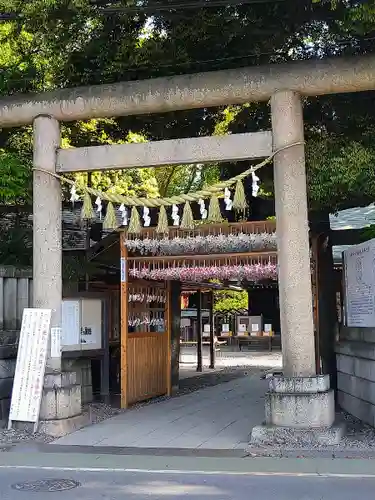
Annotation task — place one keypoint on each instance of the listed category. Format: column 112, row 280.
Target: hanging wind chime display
column 207, row 244
column 199, row 274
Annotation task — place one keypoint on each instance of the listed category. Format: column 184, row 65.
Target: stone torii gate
column 301, row 399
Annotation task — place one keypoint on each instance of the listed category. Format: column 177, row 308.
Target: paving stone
column 214, row 418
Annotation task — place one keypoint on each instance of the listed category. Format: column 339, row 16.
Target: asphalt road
column 140, row 477
column 156, row 486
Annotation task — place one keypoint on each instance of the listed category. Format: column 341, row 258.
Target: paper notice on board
column 71, row 322
column 87, row 335
column 123, row 270
column 56, row 334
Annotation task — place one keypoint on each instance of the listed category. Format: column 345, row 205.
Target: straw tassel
column 162, row 221
column 187, row 221
column 110, row 220
column 135, row 222
column 214, row 212
column 239, row 199
column 87, row 212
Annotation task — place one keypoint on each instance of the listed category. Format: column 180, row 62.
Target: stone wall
column 356, row 372
column 81, row 369
column 7, row 369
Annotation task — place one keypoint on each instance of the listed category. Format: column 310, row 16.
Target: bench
column 266, row 342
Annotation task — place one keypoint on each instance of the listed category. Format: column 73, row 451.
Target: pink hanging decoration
column 249, row 272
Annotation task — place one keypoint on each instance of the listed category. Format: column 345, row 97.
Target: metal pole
column 199, row 332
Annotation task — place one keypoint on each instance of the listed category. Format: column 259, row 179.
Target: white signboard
column 359, row 264
column 242, row 327
column 225, row 328
column 71, row 322
column 206, row 328
column 268, row 328
column 91, row 324
column 30, row 366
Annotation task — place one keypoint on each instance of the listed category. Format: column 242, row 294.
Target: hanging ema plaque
column 30, row 366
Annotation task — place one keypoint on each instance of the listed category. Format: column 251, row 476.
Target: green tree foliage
column 59, row 43
column 228, row 300
column 359, row 15
column 14, row 178
column 341, row 174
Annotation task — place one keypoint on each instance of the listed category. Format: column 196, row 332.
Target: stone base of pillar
column 61, row 407
column 299, row 411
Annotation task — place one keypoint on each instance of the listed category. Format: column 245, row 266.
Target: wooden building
column 148, row 339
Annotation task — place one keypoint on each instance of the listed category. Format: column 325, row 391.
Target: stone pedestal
column 61, row 406
column 299, row 411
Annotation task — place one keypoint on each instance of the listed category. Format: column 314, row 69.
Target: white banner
column 359, row 262
column 30, row 367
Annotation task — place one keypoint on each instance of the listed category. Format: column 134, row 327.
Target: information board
column 71, row 322
column 91, row 324
column 82, row 324
column 359, row 265
column 30, row 366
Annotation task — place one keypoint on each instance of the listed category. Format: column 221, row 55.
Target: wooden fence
column 15, row 294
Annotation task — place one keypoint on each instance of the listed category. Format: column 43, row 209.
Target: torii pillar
column 61, row 408
column 300, row 405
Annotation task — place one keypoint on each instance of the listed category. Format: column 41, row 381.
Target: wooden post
column 175, row 316
column 124, row 321
column 104, row 379
column 168, row 322
column 199, row 332
column 315, row 298
column 212, row 332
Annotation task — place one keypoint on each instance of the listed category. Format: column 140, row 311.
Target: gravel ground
column 358, row 442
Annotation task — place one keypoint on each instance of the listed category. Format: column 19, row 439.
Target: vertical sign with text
column 30, row 366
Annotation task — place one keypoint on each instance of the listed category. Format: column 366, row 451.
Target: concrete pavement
column 226, row 357
column 219, row 417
